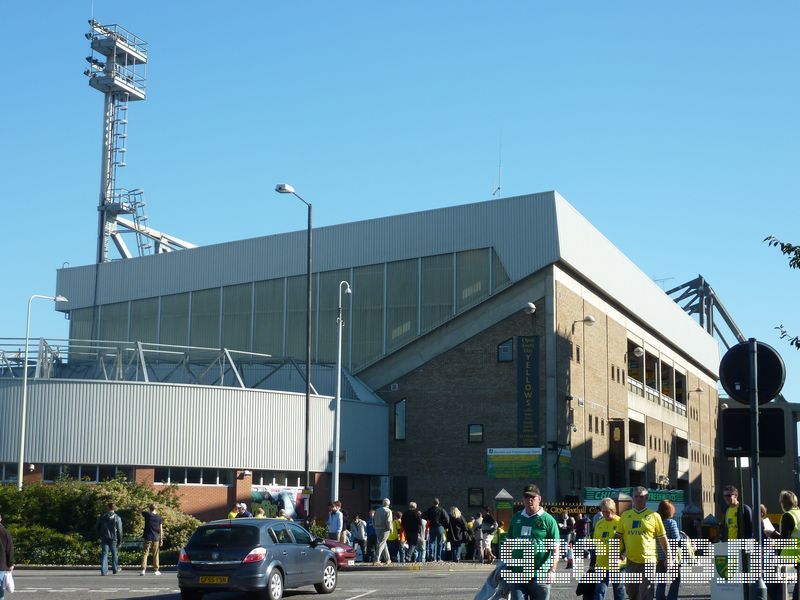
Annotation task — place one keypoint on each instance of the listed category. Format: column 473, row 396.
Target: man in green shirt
column 537, row 526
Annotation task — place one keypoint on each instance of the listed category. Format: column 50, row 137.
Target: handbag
column 8, row 582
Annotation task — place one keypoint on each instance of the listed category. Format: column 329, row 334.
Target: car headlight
column 338, row 549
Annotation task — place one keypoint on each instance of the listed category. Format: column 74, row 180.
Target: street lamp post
column 25, row 385
column 285, row 188
column 337, row 411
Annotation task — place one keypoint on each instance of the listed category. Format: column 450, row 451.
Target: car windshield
column 225, row 536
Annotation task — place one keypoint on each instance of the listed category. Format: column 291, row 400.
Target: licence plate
column 351, row 562
column 213, row 579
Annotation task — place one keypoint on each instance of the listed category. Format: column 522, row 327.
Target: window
column 590, row 422
column 596, row 423
column 612, row 372
column 577, row 353
column 505, row 351
column 475, row 433
column 475, row 496
column 399, row 493
column 8, row 471
column 301, row 536
column 400, row 420
column 602, row 427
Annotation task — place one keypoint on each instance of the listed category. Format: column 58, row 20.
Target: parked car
column 263, row 556
column 345, row 555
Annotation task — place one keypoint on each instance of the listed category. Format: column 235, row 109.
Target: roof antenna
column 498, row 190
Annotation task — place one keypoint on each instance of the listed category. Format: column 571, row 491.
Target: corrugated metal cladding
column 90, row 422
column 522, row 230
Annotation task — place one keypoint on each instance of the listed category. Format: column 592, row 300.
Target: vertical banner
column 528, row 415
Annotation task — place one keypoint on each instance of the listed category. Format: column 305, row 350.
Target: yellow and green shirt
column 732, row 522
column 605, row 531
column 639, row 530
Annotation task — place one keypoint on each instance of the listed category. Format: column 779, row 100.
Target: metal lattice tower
column 117, row 67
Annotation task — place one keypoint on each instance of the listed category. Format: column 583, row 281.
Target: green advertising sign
column 514, row 463
column 675, row 496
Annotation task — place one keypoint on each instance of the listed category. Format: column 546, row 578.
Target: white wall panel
column 91, row 422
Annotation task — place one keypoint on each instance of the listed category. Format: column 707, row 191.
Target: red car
column 345, row 555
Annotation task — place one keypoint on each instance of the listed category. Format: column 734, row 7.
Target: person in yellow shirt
column 605, row 531
column 738, row 517
column 640, row 529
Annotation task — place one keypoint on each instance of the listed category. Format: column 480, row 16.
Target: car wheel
column 187, row 594
column 275, row 585
column 329, row 579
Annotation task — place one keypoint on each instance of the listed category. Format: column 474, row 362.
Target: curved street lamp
column 24, row 408
column 285, row 188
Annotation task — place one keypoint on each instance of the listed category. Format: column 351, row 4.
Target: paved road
column 373, row 584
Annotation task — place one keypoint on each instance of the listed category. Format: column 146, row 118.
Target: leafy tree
column 793, row 252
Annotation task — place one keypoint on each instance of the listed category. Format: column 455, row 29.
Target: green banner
column 514, row 463
column 565, row 465
column 591, row 493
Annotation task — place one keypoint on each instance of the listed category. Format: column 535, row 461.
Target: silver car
column 254, row 555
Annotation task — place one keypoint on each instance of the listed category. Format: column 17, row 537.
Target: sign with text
column 514, row 463
column 528, row 414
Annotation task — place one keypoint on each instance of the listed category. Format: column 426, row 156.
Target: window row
column 193, row 476
column 599, row 424
column 392, row 303
column 88, row 473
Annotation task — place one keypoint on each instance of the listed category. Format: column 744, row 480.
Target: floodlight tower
column 117, row 67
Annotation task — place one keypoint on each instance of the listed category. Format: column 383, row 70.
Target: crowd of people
column 414, row 535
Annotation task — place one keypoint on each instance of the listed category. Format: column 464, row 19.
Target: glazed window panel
column 475, row 496
column 144, row 320
column 402, row 297
column 175, row 319
column 205, row 318
column 237, row 306
column 367, row 321
column 114, row 322
column 437, row 290
column 81, row 323
column 268, row 317
column 472, row 278
column 328, row 309
column 500, row 278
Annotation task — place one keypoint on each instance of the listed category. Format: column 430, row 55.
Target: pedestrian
column 438, row 522
column 372, row 538
column 335, row 521
column 605, row 531
column 260, row 514
column 397, row 538
column 488, row 529
column 533, row 523
column 640, row 530
column 153, row 536
column 667, row 511
column 359, row 530
column 6, row 555
column 234, row 511
column 457, row 533
column 469, row 539
column 477, row 533
column 382, row 521
column 767, row 528
column 242, row 512
column 789, row 529
column 736, row 526
column 109, row 528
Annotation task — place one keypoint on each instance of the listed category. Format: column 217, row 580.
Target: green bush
column 55, row 523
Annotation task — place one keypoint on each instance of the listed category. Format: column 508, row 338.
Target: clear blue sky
column 673, row 127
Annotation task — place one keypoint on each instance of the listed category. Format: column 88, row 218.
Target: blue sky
column 673, row 127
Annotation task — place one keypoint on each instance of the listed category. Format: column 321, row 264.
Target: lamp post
column 338, row 409
column 25, row 384
column 285, row 188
